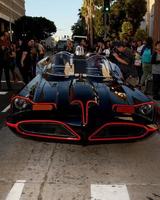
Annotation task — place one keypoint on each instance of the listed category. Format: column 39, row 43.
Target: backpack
column 146, row 56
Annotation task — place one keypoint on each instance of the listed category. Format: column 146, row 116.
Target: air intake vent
column 120, row 131
column 48, row 129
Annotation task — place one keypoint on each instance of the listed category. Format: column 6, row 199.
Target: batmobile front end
column 82, row 107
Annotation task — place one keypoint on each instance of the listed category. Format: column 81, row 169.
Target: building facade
column 150, row 16
column 10, row 10
column 152, row 19
column 156, row 24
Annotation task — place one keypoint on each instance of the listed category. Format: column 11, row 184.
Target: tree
column 127, row 30
column 135, row 11
column 79, row 28
column 117, row 16
column 38, row 27
column 119, row 12
column 92, row 11
column 98, row 23
column 140, row 35
column 127, row 10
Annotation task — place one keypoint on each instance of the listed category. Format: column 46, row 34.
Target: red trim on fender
column 15, row 126
column 130, row 109
column 79, row 102
column 148, row 130
column 141, row 104
column 84, row 109
column 87, row 108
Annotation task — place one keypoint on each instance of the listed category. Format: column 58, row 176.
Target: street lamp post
column 106, row 17
column 91, row 23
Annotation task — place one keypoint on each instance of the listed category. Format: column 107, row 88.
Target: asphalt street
column 32, row 170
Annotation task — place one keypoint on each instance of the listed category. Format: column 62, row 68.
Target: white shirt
column 139, row 49
column 79, row 50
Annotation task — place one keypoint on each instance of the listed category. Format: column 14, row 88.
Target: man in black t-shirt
column 26, row 62
column 123, row 57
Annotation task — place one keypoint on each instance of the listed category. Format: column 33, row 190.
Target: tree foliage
column 117, row 16
column 140, row 34
column 135, row 11
column 93, row 10
column 127, row 10
column 121, row 11
column 127, row 30
column 98, row 24
column 38, row 27
column 79, row 28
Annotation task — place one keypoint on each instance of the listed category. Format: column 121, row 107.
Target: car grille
column 120, row 131
column 53, row 129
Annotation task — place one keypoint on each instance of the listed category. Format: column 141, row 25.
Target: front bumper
column 58, row 125
column 118, row 130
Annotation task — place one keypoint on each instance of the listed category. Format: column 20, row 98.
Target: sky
column 64, row 13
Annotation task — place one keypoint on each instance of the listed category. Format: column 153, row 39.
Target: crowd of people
column 136, row 59
column 18, row 59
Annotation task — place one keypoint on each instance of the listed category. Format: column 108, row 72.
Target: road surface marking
column 109, row 192
column 3, row 93
column 6, row 109
column 12, row 81
column 16, row 191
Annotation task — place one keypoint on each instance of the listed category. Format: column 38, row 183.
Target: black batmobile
column 81, row 99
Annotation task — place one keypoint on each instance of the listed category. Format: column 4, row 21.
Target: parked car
column 83, row 100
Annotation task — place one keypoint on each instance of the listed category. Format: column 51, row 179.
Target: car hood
column 65, row 92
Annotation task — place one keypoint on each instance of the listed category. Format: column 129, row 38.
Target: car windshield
column 66, row 64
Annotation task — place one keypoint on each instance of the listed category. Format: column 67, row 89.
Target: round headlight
column 145, row 109
column 20, row 103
